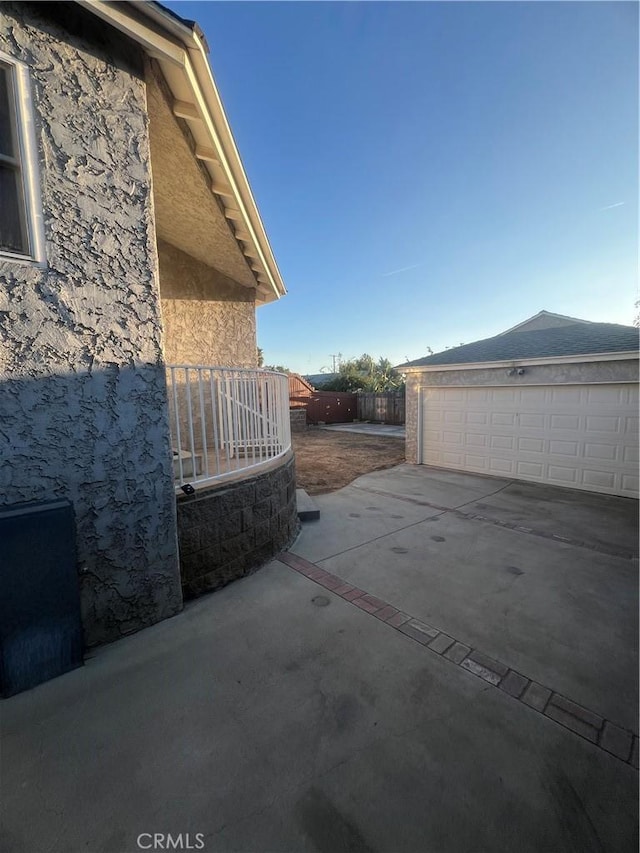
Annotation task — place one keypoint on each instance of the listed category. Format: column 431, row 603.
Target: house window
column 21, row 234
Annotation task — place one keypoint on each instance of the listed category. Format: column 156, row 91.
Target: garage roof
column 575, row 337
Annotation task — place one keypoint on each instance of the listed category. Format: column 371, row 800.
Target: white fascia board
column 119, row 16
column 524, row 362
column 232, row 165
column 188, row 55
column 208, row 100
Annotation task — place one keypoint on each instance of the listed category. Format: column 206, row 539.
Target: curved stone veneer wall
column 228, row 531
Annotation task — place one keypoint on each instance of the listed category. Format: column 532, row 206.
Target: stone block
column 189, row 539
column 262, row 533
column 230, row 525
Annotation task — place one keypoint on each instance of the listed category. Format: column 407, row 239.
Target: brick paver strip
column 481, row 671
column 399, row 619
column 441, row 643
column 330, row 582
column 536, row 696
column 377, row 602
column 576, row 711
column 514, row 684
column 365, row 605
column 489, row 663
column 353, row 593
column 385, row 613
column 418, row 631
column 570, row 722
column 616, row 741
column 457, row 653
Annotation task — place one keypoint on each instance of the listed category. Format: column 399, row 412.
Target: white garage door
column 581, row 436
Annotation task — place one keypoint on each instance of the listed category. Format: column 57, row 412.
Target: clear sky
column 433, row 173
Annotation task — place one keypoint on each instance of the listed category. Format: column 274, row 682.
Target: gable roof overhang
column 181, row 51
column 628, row 355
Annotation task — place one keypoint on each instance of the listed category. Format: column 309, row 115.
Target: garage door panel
column 601, row 479
column 578, row 436
column 601, row 451
column 500, row 465
column 564, row 448
column 531, row 445
column 603, row 424
column 474, row 439
column 530, row 470
column 478, row 418
column 502, row 442
column 475, row 463
column 570, row 422
column 532, row 421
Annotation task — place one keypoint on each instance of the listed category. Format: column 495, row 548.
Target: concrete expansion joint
column 457, row 511
column 604, row 734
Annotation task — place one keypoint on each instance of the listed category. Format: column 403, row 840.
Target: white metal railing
column 224, row 420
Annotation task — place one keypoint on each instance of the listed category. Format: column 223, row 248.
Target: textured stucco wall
column 207, row 317
column 547, row 374
column 83, row 410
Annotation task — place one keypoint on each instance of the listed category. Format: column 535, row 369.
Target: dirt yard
column 326, row 461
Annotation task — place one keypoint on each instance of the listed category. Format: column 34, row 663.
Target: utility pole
column 333, row 357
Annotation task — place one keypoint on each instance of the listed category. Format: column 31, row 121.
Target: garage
column 553, row 400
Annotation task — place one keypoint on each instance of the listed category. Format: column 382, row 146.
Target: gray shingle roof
column 573, row 339
column 318, row 379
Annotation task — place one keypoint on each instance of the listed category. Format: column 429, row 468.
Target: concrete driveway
column 369, row 429
column 430, row 669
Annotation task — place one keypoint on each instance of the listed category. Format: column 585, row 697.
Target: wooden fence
column 332, row 407
column 385, row 406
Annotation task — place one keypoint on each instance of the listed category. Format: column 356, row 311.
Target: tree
column 365, row 374
column 279, row 368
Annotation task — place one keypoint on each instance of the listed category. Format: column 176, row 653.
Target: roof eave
column 523, row 362
column 181, row 53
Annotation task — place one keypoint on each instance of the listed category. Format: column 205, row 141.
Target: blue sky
column 433, row 173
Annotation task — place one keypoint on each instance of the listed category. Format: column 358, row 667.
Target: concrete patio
column 390, row 430
column 277, row 715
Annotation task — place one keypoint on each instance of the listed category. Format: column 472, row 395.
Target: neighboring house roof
column 181, row 51
column 573, row 338
column 319, row 379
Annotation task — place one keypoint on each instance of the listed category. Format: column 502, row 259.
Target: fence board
column 387, row 407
